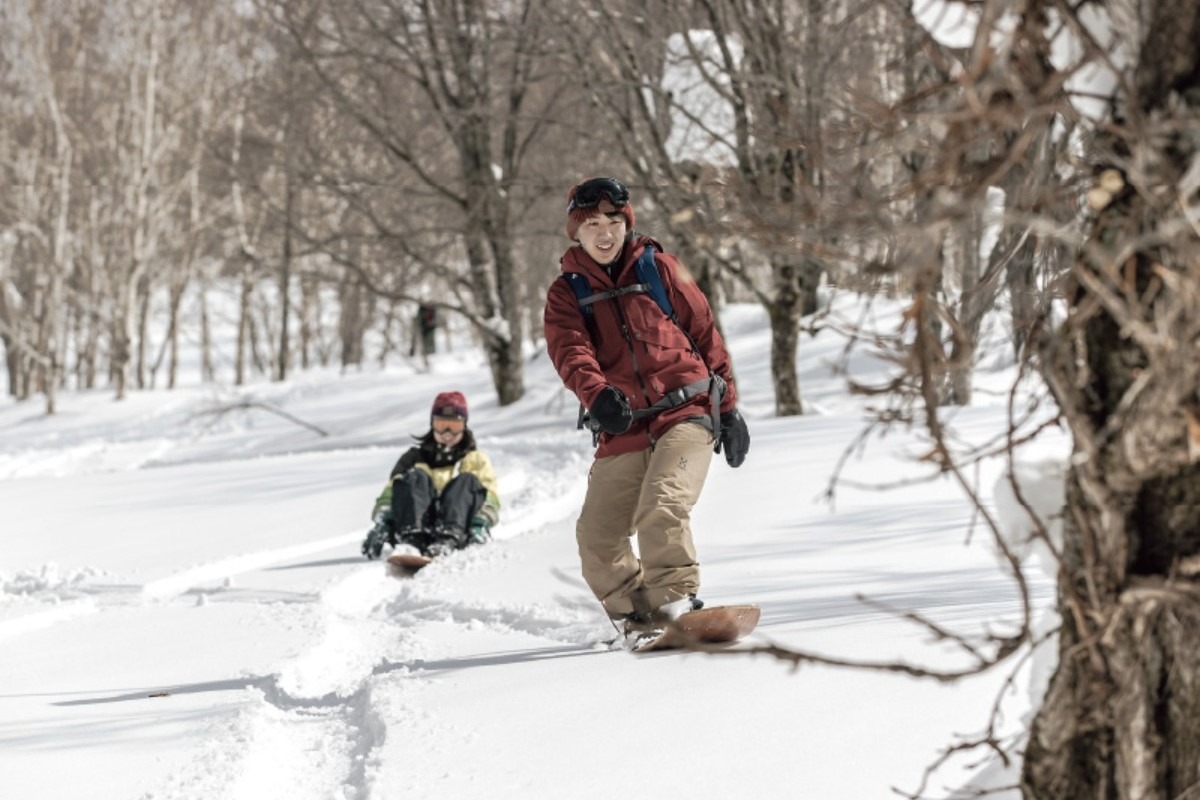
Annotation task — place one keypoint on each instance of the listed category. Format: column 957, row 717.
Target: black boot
column 444, row 540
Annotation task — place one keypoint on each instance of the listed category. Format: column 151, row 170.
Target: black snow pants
column 419, row 510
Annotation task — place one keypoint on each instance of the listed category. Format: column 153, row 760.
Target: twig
column 246, row 405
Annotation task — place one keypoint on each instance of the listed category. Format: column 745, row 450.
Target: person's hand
column 377, row 537
column 735, row 437
column 481, row 530
column 611, row 411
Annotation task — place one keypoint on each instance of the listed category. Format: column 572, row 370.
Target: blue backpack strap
column 649, row 282
column 583, row 291
column 649, row 276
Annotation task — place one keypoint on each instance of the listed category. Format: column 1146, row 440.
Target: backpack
column 649, row 281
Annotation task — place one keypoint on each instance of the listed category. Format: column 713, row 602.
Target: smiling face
column 602, row 236
column 448, row 432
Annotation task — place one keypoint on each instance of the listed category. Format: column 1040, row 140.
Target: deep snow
column 184, row 612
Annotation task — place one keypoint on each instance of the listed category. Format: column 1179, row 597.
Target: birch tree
column 38, row 259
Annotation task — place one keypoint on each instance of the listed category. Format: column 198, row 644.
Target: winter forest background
column 328, row 166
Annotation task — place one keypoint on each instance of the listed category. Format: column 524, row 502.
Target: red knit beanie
column 450, row 405
column 576, row 216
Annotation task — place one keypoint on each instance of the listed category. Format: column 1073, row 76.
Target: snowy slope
column 184, row 612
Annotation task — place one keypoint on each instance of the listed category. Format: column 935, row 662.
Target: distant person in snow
column 441, row 495
column 425, row 332
column 659, row 395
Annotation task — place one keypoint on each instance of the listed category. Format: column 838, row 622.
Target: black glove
column 611, row 411
column 372, row 546
column 735, row 437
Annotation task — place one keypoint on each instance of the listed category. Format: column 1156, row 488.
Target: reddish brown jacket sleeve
column 570, row 345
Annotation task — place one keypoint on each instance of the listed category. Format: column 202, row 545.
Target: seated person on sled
column 442, row 492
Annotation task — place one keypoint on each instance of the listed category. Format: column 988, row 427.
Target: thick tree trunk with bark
column 1119, row 720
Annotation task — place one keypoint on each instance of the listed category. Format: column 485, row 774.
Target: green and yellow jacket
column 443, row 465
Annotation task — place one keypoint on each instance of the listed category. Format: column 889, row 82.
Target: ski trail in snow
column 309, row 730
column 172, row 585
column 317, row 726
column 44, row 619
column 180, row 582
column 352, row 641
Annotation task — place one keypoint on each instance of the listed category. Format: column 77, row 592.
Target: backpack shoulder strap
column 583, row 296
column 649, row 276
column 582, row 289
column 649, row 281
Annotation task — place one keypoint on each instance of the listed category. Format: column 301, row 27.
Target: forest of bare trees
column 333, row 164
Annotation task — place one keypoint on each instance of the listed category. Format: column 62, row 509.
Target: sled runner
column 715, row 625
column 404, row 565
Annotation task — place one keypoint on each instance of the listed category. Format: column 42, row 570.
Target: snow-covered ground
column 184, row 612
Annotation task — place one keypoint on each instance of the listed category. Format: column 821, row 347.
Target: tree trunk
column 169, row 349
column 350, row 327
column 122, row 338
column 388, row 344
column 11, row 363
column 1119, row 720
column 508, row 365
column 245, row 324
column 977, row 293
column 141, row 365
column 310, row 321
column 177, row 291
column 52, row 340
column 784, row 311
column 285, row 267
column 208, row 372
column 91, row 283
column 1020, row 279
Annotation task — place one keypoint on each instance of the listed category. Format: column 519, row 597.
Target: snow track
column 324, row 722
column 275, row 671
column 317, row 727
column 227, row 568
column 10, row 629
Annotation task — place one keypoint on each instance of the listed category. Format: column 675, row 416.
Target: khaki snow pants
column 649, row 494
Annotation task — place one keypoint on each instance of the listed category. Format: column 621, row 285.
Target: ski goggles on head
column 443, row 426
column 589, row 194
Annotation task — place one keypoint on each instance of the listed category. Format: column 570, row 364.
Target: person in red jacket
column 660, row 395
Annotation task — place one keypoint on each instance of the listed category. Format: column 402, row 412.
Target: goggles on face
column 441, row 426
column 589, row 194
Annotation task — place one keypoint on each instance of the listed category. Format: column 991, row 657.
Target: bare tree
column 39, row 257
column 446, row 119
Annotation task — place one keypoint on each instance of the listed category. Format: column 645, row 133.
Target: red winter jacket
column 637, row 348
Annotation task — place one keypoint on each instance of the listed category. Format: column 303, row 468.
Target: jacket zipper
column 637, row 373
